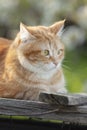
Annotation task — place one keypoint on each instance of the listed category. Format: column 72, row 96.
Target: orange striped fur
column 32, row 62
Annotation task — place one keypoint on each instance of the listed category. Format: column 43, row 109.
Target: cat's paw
column 62, row 90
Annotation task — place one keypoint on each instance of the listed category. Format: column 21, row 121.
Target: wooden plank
column 23, row 107
column 77, row 114
column 64, row 99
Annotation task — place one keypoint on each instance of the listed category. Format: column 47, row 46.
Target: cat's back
column 4, row 45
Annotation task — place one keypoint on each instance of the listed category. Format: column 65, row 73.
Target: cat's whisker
column 66, row 61
column 66, row 67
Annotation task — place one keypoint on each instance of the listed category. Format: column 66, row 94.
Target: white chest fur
column 59, row 87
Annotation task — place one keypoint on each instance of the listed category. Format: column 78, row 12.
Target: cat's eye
column 59, row 51
column 46, row 52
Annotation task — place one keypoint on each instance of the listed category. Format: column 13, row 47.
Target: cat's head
column 40, row 48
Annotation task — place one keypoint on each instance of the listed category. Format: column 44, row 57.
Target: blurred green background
column 46, row 12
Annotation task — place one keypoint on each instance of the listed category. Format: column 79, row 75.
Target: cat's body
column 32, row 63
column 4, row 45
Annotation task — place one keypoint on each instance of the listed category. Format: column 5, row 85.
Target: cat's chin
column 51, row 67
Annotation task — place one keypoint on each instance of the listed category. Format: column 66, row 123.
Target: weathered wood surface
column 64, row 99
column 68, row 112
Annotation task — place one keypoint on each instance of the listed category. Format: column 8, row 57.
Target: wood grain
column 68, row 112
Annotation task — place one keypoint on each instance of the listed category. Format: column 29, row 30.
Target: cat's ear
column 57, row 28
column 25, row 35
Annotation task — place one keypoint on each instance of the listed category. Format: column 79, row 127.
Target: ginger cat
column 32, row 62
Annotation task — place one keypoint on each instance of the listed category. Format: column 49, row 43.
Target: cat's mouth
column 51, row 66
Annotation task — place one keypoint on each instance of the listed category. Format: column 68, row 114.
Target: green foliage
column 76, row 75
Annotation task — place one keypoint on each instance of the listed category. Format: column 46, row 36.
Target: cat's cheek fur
column 41, row 70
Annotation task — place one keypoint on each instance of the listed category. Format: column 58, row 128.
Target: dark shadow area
column 14, row 124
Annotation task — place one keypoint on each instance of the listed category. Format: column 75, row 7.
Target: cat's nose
column 55, row 62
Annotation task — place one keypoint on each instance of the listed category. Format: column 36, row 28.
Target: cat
column 32, row 62
column 4, row 45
